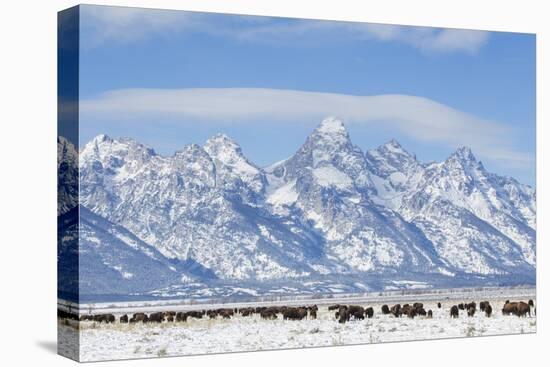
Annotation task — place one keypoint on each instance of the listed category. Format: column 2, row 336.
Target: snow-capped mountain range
column 329, row 218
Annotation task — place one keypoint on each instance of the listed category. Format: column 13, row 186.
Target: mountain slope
column 330, row 216
column 333, row 191
column 464, row 210
column 111, row 260
column 195, row 206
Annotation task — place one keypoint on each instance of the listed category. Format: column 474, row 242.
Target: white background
column 28, row 181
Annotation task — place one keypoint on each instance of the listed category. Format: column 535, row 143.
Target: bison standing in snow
column 343, row 315
column 225, row 313
column 139, row 317
column 482, row 305
column 488, row 310
column 369, row 312
column 156, row 317
column 523, row 309
column 454, row 311
column 181, row 316
column 396, row 310
column 516, row 308
column 106, row 318
column 268, row 314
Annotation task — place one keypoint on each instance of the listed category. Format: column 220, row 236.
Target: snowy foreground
column 124, row 341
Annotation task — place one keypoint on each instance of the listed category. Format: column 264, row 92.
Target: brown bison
column 471, row 311
column 430, row 314
column 246, row 312
column 212, row 314
column 438, row 304
column 181, row 316
column 482, row 305
column 369, row 312
column 268, row 314
column 343, row 315
column 488, row 310
column 139, row 317
column 313, row 314
column 156, row 317
column 225, row 313
column 396, row 310
column 454, row 311
column 517, row 308
column 333, row 307
column 509, row 308
column 124, row 319
column 385, row 310
column 196, row 314
column 523, row 309
column 295, row 313
column 106, row 318
column 87, row 318
column 411, row 312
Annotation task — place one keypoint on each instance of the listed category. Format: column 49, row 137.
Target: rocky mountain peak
column 332, row 132
column 390, row 158
column 464, row 154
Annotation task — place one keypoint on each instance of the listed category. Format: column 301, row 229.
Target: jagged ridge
column 330, row 210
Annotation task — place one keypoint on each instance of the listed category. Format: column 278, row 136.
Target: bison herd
column 411, row 311
column 343, row 313
column 346, row 313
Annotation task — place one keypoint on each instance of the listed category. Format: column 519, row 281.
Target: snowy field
column 200, row 336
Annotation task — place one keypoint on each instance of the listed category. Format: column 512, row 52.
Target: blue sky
column 170, row 78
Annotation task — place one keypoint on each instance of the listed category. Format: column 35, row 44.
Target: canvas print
column 233, row 183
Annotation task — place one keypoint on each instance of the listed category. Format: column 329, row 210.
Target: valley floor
column 125, row 341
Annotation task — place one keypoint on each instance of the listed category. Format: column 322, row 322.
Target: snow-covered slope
column 111, row 260
column 333, row 192
column 478, row 222
column 197, row 206
column 329, row 211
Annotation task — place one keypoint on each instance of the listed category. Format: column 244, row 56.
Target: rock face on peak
column 330, row 216
column 234, row 170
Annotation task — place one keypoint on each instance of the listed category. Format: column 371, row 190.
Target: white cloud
column 120, row 24
column 424, row 38
column 432, row 39
column 126, row 25
column 419, row 118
